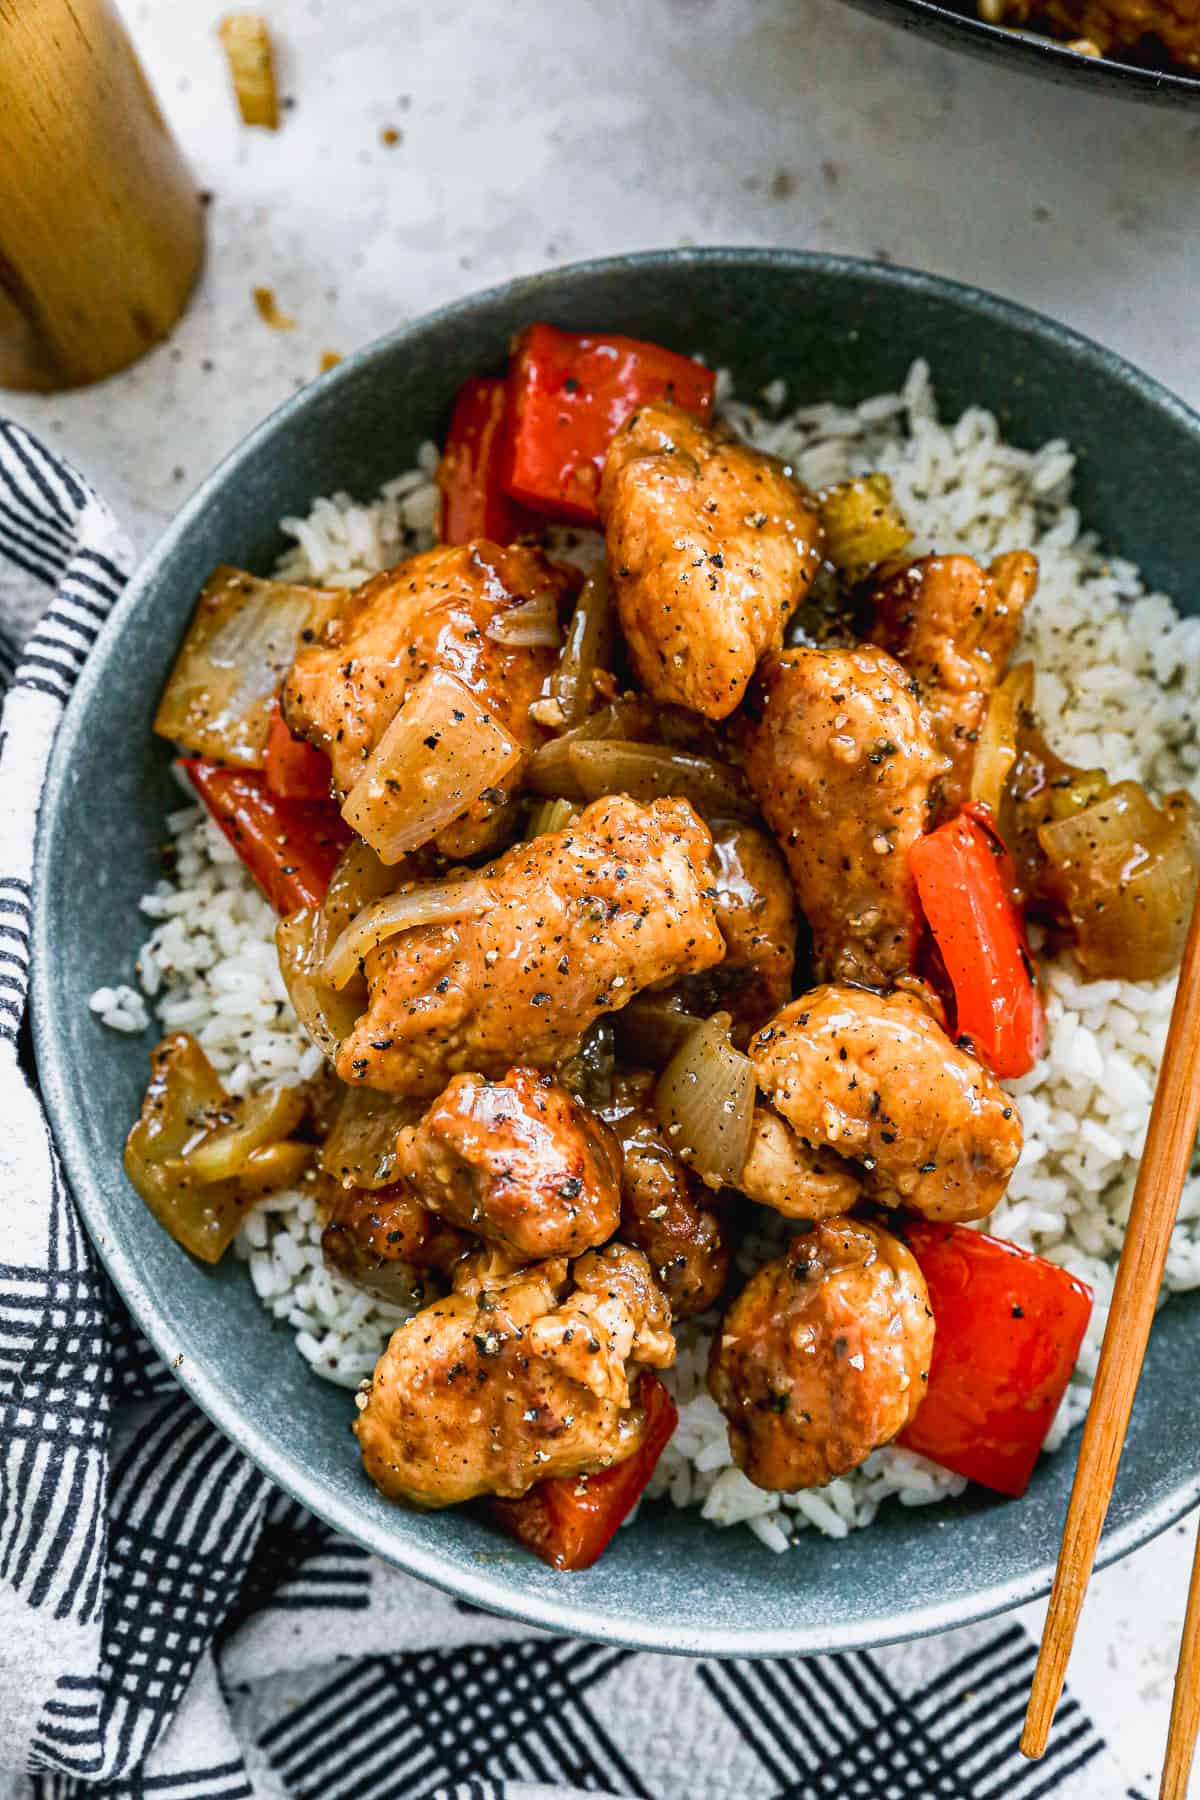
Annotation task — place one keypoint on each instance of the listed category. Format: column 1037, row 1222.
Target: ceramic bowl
column 835, row 330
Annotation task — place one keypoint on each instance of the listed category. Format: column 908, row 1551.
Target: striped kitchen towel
column 175, row 1629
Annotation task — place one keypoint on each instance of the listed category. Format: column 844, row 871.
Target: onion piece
column 1124, row 872
column 531, row 625
column 246, row 39
column 589, row 1073
column 358, row 878
column 863, row 525
column 652, row 1028
column 588, row 647
column 326, row 1015
column 1009, row 709
column 360, row 1148
column 186, row 1109
column 442, row 752
column 596, row 767
column 705, row 1102
column 259, row 1119
column 440, row 903
column 275, row 1166
column 548, row 816
column 549, row 771
column 243, row 638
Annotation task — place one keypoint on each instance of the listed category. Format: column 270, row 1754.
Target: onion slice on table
column 442, row 752
column 705, row 1102
column 437, row 904
column 243, row 638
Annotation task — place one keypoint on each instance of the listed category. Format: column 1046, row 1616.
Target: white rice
column 1118, row 675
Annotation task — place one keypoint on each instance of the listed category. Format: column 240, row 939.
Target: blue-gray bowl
column 835, row 329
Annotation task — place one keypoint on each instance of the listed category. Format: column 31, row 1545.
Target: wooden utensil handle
column 101, row 227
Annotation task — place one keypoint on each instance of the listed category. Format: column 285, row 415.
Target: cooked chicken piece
column 517, row 1375
column 387, row 1243
column 842, row 760
column 434, row 611
column 823, row 1356
column 519, row 1162
column 581, row 920
column 666, row 1210
column 756, row 911
column 954, row 626
column 711, row 546
column 797, row 1179
column 875, row 1079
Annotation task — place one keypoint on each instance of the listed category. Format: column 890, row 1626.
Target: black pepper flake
column 1018, row 1312
column 540, row 999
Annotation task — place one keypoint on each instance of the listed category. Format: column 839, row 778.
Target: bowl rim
column 1028, row 50
column 479, row 1586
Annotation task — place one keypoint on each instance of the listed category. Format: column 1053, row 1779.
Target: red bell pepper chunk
column 963, row 876
column 474, row 503
column 567, row 397
column 294, row 770
column 1007, row 1331
column 289, row 846
column 570, row 1520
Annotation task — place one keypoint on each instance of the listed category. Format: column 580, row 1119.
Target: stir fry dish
column 1151, row 31
column 658, row 860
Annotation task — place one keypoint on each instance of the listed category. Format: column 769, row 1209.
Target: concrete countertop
column 538, row 133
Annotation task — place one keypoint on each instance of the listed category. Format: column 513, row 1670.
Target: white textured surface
column 555, row 129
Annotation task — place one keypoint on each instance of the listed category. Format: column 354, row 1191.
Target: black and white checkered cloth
column 175, row 1629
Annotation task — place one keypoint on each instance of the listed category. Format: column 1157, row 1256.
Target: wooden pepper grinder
column 101, row 226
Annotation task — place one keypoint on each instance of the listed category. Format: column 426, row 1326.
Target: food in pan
column 1150, row 30
column 663, row 977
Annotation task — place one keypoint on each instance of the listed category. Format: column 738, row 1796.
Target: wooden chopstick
column 1168, row 1149
column 1185, row 1702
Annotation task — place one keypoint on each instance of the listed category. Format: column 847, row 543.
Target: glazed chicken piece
column 437, row 610
column 711, row 546
column 798, row 1179
column 954, row 626
column 519, row 1162
column 875, row 1080
column 823, row 1356
column 756, row 911
column 842, row 759
column 580, row 920
column 518, row 1374
column 666, row 1210
column 387, row 1243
